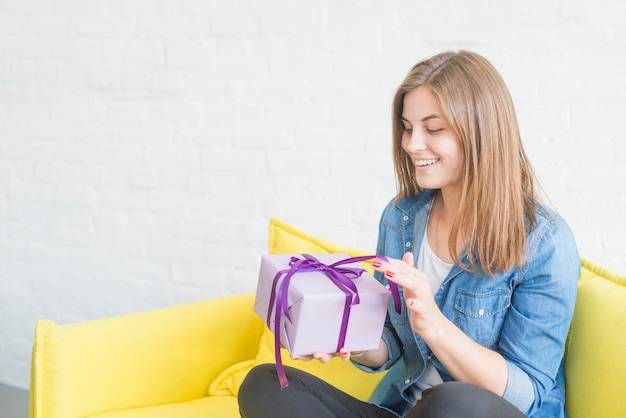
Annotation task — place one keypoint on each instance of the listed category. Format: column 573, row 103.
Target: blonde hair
column 498, row 195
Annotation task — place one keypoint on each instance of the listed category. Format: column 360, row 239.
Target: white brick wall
column 145, row 144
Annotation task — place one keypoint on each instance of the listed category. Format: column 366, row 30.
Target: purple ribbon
column 341, row 276
column 393, row 287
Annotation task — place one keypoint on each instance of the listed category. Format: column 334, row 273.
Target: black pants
column 260, row 396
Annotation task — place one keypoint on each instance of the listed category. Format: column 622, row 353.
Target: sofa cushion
column 596, row 365
column 285, row 239
column 341, row 374
column 227, row 383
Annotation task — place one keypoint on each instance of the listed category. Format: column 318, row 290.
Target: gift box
column 323, row 302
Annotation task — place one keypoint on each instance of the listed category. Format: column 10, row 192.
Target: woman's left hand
column 418, row 296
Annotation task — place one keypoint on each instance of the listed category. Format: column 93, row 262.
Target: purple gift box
column 323, row 304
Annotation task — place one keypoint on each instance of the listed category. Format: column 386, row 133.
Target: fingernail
column 389, row 273
column 376, row 264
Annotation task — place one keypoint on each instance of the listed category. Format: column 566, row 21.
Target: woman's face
column 430, row 142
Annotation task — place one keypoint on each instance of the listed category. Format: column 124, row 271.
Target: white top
column 436, row 270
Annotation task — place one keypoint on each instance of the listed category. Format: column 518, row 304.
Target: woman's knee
column 255, row 386
column 259, row 375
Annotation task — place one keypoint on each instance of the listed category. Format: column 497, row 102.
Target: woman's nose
column 416, row 141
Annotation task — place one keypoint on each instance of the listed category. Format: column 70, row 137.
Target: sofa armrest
column 147, row 358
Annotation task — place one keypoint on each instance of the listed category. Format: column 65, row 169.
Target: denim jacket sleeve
column 533, row 336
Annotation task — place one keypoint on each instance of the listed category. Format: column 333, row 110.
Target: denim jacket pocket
column 481, row 315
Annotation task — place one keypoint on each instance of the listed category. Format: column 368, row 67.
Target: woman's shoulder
column 552, row 233
column 546, row 217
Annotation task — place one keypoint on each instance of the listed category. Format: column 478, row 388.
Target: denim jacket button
column 407, row 381
column 481, row 312
column 405, row 218
column 408, row 245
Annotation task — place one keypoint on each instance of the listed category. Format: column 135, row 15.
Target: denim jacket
column 524, row 313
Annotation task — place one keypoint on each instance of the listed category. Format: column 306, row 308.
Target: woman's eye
column 408, row 130
column 434, row 131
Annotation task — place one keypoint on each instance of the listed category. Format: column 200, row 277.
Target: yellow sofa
column 189, row 360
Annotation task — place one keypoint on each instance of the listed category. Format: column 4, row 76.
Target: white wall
column 145, row 144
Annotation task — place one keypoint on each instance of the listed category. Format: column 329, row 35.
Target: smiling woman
column 487, row 271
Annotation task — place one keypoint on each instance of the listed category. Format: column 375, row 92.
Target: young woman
column 488, row 273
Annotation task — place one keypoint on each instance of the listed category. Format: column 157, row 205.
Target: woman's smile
column 426, row 163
